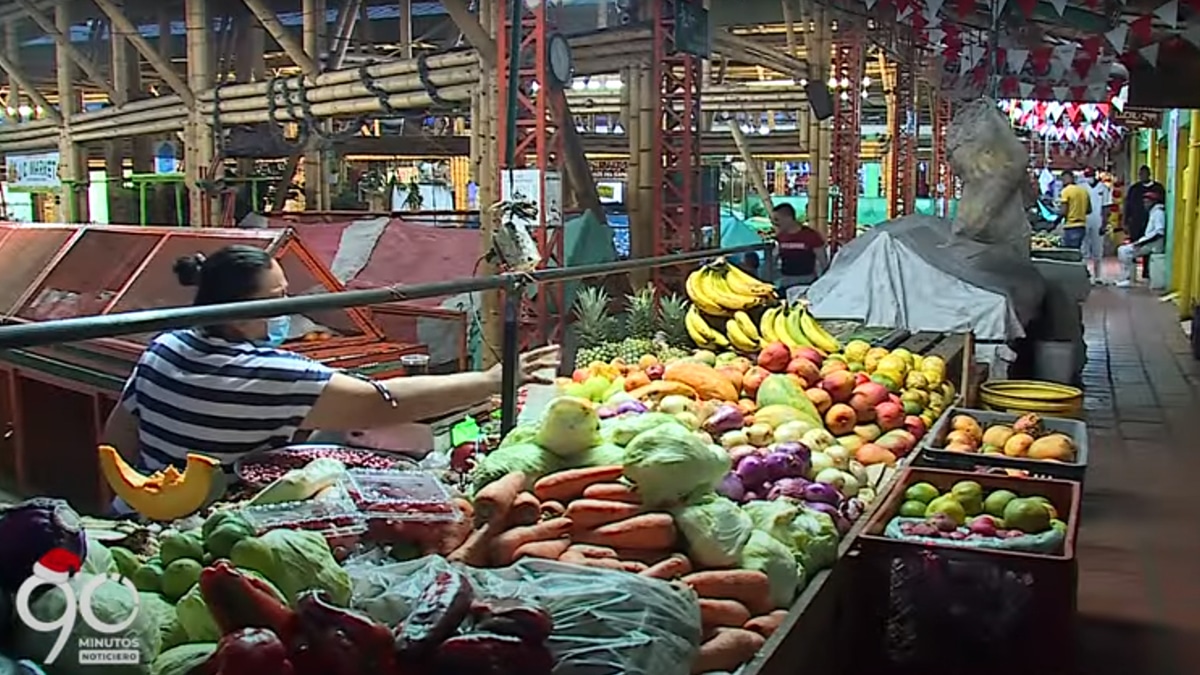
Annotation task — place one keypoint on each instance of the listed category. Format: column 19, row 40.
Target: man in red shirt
column 802, row 255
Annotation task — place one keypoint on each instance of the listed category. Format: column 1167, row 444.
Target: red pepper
column 511, row 617
column 334, row 640
column 437, row 614
column 490, row 654
column 239, row 601
column 252, row 651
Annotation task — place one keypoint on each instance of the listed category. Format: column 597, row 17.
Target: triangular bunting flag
column 935, row 37
column 1026, row 89
column 1016, row 60
column 903, row 14
column 932, row 7
column 1192, row 35
column 1061, row 94
column 1142, row 28
column 870, row 4
column 1082, row 66
column 1117, row 37
column 1096, row 92
column 1091, row 46
column 1169, row 13
column 997, row 8
column 1150, row 53
column 1064, row 54
column 1040, row 59
column 1060, row 6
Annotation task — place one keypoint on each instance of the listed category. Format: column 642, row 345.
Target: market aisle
column 1139, row 549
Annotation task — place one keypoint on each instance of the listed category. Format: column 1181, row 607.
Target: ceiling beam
column 294, row 50
column 469, row 26
column 121, row 24
column 85, row 64
column 15, row 75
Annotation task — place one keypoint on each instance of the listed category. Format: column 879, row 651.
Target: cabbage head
column 811, row 535
column 184, row 659
column 197, row 622
column 112, row 602
column 715, row 530
column 520, row 435
column 766, row 554
column 99, row 559
column 605, row 454
column 670, row 464
column 528, row 458
column 295, row 561
column 622, row 429
column 164, row 616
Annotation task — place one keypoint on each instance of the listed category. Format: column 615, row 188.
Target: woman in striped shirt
column 228, row 390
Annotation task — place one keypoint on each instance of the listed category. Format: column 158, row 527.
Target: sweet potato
column 494, row 500
column 476, row 550
column 577, row 558
column 526, row 510
column 589, row 551
column 723, row 613
column 564, row 486
column 546, row 550
column 552, row 509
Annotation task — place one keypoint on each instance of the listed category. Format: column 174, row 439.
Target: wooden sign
column 1139, row 118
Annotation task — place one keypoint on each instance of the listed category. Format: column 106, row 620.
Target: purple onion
column 731, row 487
column 840, row 521
column 32, row 528
column 820, row 492
column 752, row 470
column 781, row 465
column 630, row 407
column 788, row 487
column 800, row 453
column 727, row 418
column 606, row 412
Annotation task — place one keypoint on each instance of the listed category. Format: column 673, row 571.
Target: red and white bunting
column 1192, row 35
column 1169, row 13
column 1150, row 53
column 1061, row 94
column 1026, row 89
column 1016, row 59
column 1142, row 28
column 932, row 7
column 1060, row 6
column 1118, row 36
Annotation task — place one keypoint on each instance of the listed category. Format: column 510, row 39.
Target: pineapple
column 641, row 313
column 596, row 327
column 671, row 312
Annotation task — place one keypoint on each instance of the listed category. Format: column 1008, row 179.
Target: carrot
column 553, row 510
column 567, row 485
column 526, row 510
column 723, row 613
column 493, row 502
column 751, row 588
column 616, row 492
column 649, row 556
column 648, row 531
column 768, row 624
column 727, row 650
column 475, row 550
column 505, row 545
column 550, row 549
column 673, row 566
column 588, row 551
column 577, row 558
column 589, row 513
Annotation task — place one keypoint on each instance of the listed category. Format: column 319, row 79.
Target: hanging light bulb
column 845, row 96
column 594, row 85
column 764, row 129
column 578, row 85
column 864, row 93
column 845, row 83
column 866, row 80
column 833, row 83
column 803, row 82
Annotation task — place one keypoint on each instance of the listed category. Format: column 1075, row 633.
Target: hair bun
column 187, row 269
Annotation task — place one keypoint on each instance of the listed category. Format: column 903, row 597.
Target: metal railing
column 512, row 284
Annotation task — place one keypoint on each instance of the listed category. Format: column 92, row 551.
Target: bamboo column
column 406, row 27
column 316, row 164
column 72, row 166
column 487, row 178
column 121, row 70
column 821, row 156
column 198, row 143
column 631, row 97
column 250, row 65
column 811, row 18
column 12, row 49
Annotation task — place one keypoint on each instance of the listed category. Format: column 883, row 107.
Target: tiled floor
column 1139, row 545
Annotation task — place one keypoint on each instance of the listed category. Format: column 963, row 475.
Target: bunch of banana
column 704, row 335
column 816, row 333
column 742, row 333
column 795, row 327
column 720, row 289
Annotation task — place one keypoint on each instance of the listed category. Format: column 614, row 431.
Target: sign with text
column 33, row 173
column 1139, row 118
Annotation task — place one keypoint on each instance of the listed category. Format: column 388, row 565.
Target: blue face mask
column 278, row 328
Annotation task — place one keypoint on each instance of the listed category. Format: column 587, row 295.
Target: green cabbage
column 811, row 535
column 622, row 429
column 197, row 622
column 715, row 530
column 527, row 458
column 669, row 464
column 112, row 603
column 766, row 554
column 295, row 561
column 164, row 616
column 99, row 559
column 520, row 435
column 183, row 660
column 605, row 454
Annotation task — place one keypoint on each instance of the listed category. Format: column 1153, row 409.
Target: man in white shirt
column 1092, row 248
column 1153, row 241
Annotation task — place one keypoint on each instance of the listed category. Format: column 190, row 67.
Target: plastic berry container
column 334, row 512
column 401, row 495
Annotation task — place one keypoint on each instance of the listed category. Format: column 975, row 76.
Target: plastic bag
column 605, row 622
column 1049, row 542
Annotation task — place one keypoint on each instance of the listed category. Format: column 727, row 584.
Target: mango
column 1055, row 446
column 1018, row 445
column 997, row 435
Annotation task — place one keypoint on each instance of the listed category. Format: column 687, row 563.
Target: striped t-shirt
column 193, row 392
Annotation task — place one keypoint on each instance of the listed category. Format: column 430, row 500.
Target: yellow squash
column 164, row 495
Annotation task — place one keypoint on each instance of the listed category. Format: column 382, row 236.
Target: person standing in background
column 802, row 255
column 1075, row 203
column 1135, row 213
column 1093, row 237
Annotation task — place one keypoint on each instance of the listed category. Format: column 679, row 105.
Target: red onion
column 781, row 465
column 739, row 452
column 726, row 418
column 731, row 486
column 788, row 487
column 752, row 470
column 839, row 521
column 630, row 407
column 800, row 453
column 820, row 492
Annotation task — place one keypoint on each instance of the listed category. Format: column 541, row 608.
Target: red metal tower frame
column 943, row 183
column 677, row 206
column 903, row 155
column 847, row 138
column 539, row 146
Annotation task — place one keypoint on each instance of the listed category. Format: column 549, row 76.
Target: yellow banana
column 781, row 330
column 738, row 339
column 766, row 325
column 718, row 291
column 743, row 283
column 794, row 330
column 816, row 333
column 747, row 325
column 698, row 293
column 701, row 333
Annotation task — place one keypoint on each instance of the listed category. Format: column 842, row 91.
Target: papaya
column 708, row 383
column 782, row 390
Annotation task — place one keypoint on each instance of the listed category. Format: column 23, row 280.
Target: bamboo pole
column 316, row 169
column 15, row 75
column 406, row 29
column 12, row 50
column 642, row 245
column 198, row 136
column 85, row 64
column 121, row 24
column 631, row 120
column 752, row 169
column 491, row 324
column 343, row 33
column 293, row 49
column 72, row 165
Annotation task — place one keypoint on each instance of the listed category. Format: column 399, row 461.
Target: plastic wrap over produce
column 992, row 163
column 604, row 622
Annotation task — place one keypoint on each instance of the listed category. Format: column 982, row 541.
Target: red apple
column 872, row 392
column 839, row 384
column 831, row 366
column 915, row 426
column 807, row 370
column 811, row 353
column 775, row 357
column 861, row 378
column 820, row 399
column 840, row 419
column 864, row 409
column 753, row 379
column 895, row 399
column 889, row 415
column 581, row 374
column 655, row 371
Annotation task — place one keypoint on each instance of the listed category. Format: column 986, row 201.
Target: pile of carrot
column 588, row 517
